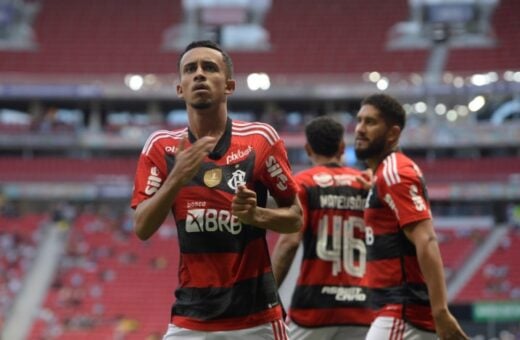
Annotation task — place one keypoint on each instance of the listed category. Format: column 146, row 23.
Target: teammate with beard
column 214, row 176
column 404, row 265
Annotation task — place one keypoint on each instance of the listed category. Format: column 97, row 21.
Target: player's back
column 328, row 290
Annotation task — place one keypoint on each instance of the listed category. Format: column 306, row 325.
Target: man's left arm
column 422, row 235
column 283, row 255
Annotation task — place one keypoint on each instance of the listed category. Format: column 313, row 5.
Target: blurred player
column 214, row 176
column 404, row 268
column 328, row 301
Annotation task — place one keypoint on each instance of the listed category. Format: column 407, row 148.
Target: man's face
column 370, row 134
column 203, row 82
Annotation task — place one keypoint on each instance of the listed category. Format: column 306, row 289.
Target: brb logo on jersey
column 154, row 181
column 212, row 220
column 275, row 171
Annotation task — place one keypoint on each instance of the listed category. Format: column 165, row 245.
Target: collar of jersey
column 332, row 165
column 222, row 145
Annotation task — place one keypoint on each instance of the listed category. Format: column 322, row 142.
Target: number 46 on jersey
column 339, row 244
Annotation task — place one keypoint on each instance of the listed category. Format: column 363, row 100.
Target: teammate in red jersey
column 214, row 176
column 329, row 301
column 404, row 265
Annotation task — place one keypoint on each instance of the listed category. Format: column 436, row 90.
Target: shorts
column 297, row 332
column 274, row 330
column 384, row 327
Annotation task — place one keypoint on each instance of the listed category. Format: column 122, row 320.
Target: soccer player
column 404, row 265
column 214, row 176
column 329, row 301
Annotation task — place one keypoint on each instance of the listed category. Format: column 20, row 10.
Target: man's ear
column 230, row 86
column 308, row 149
column 180, row 94
column 341, row 148
column 393, row 134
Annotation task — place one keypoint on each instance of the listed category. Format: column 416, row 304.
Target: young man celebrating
column 214, row 176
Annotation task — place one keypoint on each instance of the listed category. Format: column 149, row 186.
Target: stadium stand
column 60, row 169
column 112, row 37
column 109, row 285
column 506, row 31
column 457, row 245
column 91, row 295
column 41, row 169
column 19, row 236
column 466, row 170
column 497, row 279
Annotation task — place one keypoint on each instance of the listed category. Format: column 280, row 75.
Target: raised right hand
column 188, row 160
column 366, row 178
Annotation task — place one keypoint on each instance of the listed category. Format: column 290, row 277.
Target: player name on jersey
column 342, row 202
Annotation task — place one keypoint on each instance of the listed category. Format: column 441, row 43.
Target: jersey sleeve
column 275, row 172
column 303, row 196
column 407, row 197
column 149, row 176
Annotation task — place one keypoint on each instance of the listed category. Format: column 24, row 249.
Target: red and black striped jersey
column 328, row 291
column 225, row 275
column 397, row 198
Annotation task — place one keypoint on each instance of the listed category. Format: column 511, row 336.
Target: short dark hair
column 324, row 134
column 212, row 45
column 391, row 110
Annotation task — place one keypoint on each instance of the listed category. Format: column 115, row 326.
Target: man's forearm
column 429, row 257
column 151, row 213
column 282, row 220
column 283, row 256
